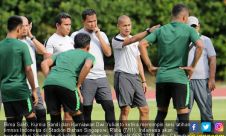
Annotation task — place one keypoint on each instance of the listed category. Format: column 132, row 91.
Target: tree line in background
column 211, row 13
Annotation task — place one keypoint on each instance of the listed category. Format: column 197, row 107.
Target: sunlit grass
column 219, row 111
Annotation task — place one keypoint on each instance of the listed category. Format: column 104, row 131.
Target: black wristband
column 143, row 81
column 148, row 31
column 33, row 37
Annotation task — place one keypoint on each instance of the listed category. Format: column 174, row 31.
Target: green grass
column 219, row 111
column 98, row 114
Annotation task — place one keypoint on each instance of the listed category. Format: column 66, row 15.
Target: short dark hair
column 88, row 12
column 81, row 40
column 177, row 9
column 60, row 16
column 14, row 22
column 29, row 18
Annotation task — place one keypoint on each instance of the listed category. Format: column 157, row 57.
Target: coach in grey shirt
column 203, row 79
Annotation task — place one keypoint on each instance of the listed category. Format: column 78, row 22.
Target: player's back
column 67, row 68
column 173, row 41
column 14, row 55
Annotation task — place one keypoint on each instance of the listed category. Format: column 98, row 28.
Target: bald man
column 34, row 45
column 129, row 80
column 173, row 41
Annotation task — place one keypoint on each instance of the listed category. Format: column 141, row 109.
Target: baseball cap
column 192, row 20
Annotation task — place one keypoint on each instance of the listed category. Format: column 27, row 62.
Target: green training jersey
column 172, row 41
column 14, row 57
column 67, row 67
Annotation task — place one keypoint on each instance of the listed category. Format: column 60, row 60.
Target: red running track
column 217, row 93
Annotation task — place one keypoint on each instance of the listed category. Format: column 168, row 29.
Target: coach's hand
column 35, row 97
column 153, row 28
column 96, row 30
column 152, row 70
column 189, row 70
column 29, row 30
column 145, row 88
column 211, row 84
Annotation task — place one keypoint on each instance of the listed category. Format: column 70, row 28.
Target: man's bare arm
column 47, row 55
column 212, row 68
column 139, row 36
column 105, row 47
column 45, row 65
column 141, row 69
column 84, row 72
column 141, row 72
column 40, row 48
column 144, row 55
column 198, row 53
column 30, row 77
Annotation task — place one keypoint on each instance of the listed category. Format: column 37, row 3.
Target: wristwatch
column 33, row 37
column 148, row 31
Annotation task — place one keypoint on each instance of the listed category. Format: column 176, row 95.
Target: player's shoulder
column 89, row 55
column 20, row 43
column 2, row 41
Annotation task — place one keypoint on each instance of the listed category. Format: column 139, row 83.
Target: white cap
column 192, row 20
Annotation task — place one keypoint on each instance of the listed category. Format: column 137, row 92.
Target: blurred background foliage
column 211, row 13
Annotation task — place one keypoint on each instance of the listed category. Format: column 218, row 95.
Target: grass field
column 98, row 114
column 219, row 111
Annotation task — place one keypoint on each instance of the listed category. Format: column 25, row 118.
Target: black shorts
column 55, row 96
column 180, row 93
column 18, row 108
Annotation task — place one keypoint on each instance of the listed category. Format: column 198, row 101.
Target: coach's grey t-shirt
column 125, row 57
column 202, row 68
